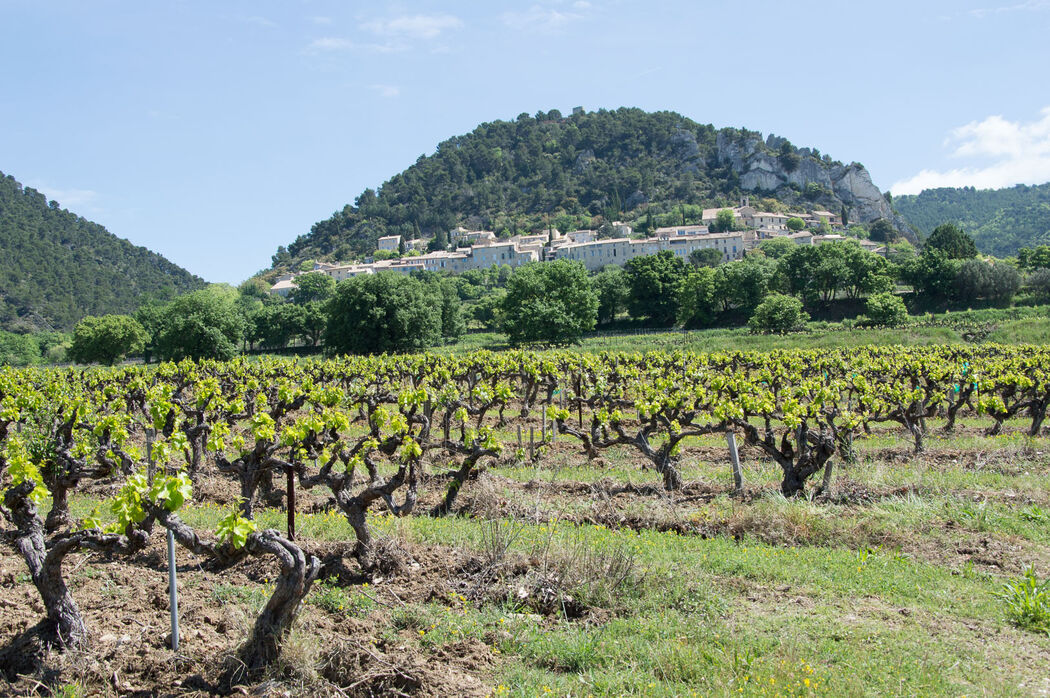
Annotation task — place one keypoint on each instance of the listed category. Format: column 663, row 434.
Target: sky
column 214, row 131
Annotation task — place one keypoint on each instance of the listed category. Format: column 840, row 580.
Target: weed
column 1028, row 602
column 1035, row 513
column 335, row 599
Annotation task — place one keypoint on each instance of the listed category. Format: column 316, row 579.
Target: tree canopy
column 205, row 324
column 553, row 302
column 380, row 313
column 106, row 339
column 653, row 281
column 953, row 241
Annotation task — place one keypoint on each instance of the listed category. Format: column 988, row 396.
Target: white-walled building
column 389, row 243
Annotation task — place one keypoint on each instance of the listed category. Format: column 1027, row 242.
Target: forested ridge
column 1000, row 220
column 567, row 172
column 57, row 267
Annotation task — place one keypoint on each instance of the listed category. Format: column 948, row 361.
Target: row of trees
column 556, row 302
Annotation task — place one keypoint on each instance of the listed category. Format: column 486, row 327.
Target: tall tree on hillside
column 953, row 241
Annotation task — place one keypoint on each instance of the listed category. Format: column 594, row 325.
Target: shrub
column 1038, row 284
column 886, row 309
column 778, row 313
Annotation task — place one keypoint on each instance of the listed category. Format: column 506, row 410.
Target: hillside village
column 481, row 249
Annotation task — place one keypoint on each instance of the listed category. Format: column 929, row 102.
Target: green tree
column 705, row 257
column 611, row 285
column 1032, row 259
column 882, row 231
column 549, row 302
column 276, row 324
column 106, row 339
column 953, row 241
column 696, row 301
column 446, row 293
column 886, row 309
column 653, row 283
column 204, row 324
column 866, row 272
column 18, row 349
column 741, row 284
column 489, row 309
column 384, row 312
column 311, row 287
column 778, row 314
column 775, row 248
column 931, row 274
column 724, row 221
column 815, row 272
column 795, row 224
column 1038, row 284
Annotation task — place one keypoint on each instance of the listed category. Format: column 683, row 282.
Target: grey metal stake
column 738, row 477
column 173, row 593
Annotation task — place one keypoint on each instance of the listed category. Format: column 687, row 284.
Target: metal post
column 738, row 477
column 291, row 502
column 173, row 593
column 532, row 442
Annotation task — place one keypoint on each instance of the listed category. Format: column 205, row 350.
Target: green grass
column 920, row 590
column 1008, row 326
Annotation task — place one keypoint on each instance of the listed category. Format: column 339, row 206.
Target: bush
column 976, row 278
column 778, row 313
column 1039, row 284
column 886, row 309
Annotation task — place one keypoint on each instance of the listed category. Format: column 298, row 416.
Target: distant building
column 389, row 243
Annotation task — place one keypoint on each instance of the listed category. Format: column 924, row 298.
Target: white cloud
column 546, row 20
column 414, row 26
column 261, row 22
column 330, row 43
column 385, row 90
column 69, row 198
column 1009, row 153
column 1028, row 5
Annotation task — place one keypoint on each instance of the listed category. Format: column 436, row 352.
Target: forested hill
column 584, row 169
column 56, row 267
column 1000, row 220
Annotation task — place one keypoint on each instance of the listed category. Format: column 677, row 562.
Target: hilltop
column 1000, row 220
column 56, row 267
column 583, row 170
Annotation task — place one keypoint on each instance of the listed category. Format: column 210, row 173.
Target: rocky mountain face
column 773, row 167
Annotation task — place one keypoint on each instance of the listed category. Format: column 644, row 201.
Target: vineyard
column 521, row 523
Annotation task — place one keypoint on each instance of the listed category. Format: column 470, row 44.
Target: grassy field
column 578, row 579
column 1026, row 330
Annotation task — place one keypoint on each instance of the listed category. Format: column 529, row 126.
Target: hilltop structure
column 486, row 250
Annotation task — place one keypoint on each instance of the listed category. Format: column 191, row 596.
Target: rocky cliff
column 775, row 168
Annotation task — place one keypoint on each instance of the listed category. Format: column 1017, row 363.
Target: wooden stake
column 291, row 502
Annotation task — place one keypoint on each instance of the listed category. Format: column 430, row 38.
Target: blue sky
column 212, row 132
